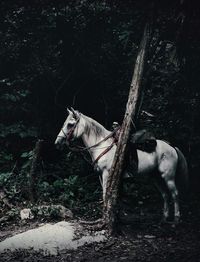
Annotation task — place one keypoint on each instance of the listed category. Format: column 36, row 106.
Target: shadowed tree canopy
column 57, row 54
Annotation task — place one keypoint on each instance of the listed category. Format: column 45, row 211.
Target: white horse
column 166, row 162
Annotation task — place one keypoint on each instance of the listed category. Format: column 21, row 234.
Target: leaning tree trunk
column 33, row 170
column 111, row 198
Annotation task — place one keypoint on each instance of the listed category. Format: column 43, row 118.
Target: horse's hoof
column 177, row 220
column 164, row 221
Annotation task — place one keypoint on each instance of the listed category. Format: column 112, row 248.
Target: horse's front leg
column 104, row 182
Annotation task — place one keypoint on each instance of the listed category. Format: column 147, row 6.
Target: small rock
column 26, row 213
column 149, row 236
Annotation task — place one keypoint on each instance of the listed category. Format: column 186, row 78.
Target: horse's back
column 162, row 159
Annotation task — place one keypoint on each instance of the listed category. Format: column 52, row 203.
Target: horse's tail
column 182, row 176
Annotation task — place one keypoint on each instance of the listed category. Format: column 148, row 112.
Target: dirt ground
column 141, row 238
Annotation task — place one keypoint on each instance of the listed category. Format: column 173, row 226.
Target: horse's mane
column 93, row 125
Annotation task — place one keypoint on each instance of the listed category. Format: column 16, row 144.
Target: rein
column 104, row 152
column 82, row 149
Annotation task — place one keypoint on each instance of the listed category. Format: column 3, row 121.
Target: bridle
column 80, row 149
column 68, row 136
column 71, row 131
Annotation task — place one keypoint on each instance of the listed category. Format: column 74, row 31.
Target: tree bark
column 112, row 191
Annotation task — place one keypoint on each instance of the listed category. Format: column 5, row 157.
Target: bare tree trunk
column 33, row 170
column 4, row 199
column 111, row 199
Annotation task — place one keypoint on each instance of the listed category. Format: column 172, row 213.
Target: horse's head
column 73, row 128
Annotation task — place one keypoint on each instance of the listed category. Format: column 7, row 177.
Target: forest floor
column 141, row 238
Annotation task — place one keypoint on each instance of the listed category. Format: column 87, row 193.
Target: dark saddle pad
column 144, row 140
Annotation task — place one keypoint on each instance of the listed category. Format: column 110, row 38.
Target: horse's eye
column 70, row 125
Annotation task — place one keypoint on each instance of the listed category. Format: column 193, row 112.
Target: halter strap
column 104, row 152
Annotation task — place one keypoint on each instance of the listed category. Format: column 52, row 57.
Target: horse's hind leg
column 167, row 170
column 174, row 192
column 160, row 184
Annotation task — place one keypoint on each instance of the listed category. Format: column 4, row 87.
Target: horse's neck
column 91, row 138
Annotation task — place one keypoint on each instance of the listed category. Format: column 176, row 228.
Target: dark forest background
column 57, row 54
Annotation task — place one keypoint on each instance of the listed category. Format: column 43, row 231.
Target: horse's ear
column 75, row 113
column 69, row 112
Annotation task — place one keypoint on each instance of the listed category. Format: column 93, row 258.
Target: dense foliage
column 56, row 54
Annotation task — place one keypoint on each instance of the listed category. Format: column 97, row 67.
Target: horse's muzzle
column 60, row 142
